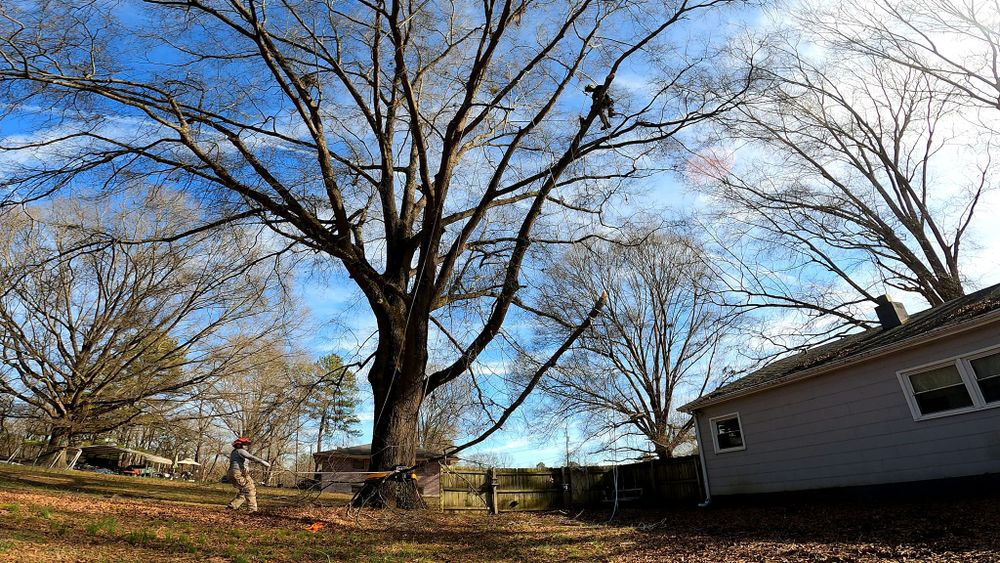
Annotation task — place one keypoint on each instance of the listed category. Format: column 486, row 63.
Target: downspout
column 704, row 468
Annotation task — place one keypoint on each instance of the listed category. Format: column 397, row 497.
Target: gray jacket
column 237, row 460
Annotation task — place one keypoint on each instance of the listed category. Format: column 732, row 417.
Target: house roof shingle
column 946, row 315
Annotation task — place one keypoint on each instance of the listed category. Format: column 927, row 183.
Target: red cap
column 241, row 441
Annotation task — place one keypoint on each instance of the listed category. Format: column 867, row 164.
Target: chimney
column 890, row 314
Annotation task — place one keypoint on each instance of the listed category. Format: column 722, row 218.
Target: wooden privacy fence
column 654, row 483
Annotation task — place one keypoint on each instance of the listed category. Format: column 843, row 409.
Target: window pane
column 986, row 367
column 991, row 389
column 946, row 399
column 729, row 434
column 935, row 379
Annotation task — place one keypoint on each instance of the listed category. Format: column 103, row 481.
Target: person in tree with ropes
column 605, row 103
column 240, row 477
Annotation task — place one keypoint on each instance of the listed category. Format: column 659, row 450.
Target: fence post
column 653, row 489
column 567, row 496
column 492, row 482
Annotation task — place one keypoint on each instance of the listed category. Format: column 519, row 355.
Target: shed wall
column 853, row 427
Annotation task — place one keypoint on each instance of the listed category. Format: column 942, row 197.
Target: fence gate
column 464, row 488
column 527, row 489
column 501, row 490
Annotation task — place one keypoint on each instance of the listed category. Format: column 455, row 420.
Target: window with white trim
column 987, row 370
column 961, row 384
column 727, row 433
column 940, row 389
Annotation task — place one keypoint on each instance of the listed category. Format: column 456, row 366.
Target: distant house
column 912, row 400
column 345, row 469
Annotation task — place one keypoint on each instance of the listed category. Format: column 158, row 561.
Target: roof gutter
column 911, row 342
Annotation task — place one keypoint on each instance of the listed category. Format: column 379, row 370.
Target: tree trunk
column 662, row 452
column 59, row 436
column 397, row 380
column 320, row 432
column 55, row 455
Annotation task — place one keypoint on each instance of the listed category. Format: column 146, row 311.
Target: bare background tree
column 658, row 344
column 277, row 398
column 446, row 415
column 853, row 175
column 261, row 399
column 954, row 42
column 94, row 338
column 489, row 459
column 424, row 147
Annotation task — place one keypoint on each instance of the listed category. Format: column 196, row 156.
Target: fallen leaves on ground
column 59, row 525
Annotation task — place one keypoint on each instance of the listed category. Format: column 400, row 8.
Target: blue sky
column 339, row 320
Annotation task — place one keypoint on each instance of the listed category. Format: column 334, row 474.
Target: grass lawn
column 76, row 516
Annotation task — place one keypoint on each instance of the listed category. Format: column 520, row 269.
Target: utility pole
column 567, row 447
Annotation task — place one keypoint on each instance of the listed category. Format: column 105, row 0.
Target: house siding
column 853, row 427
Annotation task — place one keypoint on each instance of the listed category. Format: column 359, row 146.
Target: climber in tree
column 605, row 103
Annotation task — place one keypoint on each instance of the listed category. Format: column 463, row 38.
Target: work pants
column 247, row 491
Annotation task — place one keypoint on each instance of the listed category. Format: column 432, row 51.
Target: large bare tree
column 661, row 340
column 91, row 335
column 425, row 147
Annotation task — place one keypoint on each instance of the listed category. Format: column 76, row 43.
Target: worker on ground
column 605, row 104
column 240, row 477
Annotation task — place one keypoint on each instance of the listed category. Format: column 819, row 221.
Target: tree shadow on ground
column 962, row 523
